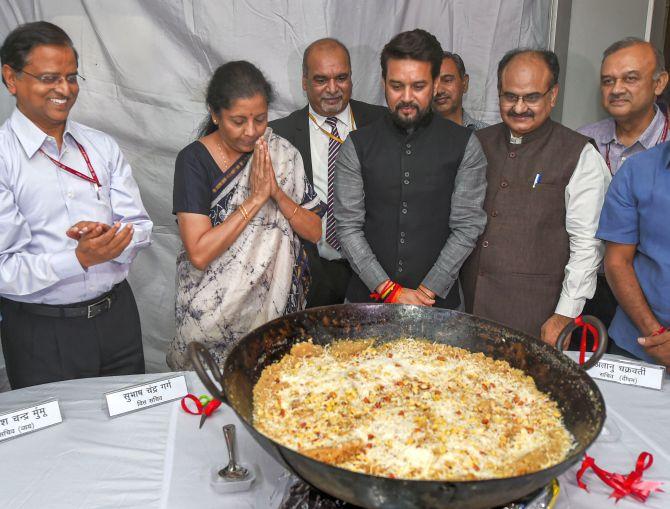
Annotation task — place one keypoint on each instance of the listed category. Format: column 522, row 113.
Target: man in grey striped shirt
column 452, row 84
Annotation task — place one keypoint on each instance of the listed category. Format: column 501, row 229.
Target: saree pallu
column 262, row 275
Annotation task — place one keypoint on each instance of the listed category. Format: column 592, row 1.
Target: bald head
column 326, row 45
column 646, row 47
column 632, row 74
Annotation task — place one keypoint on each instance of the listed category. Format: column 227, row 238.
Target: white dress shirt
column 584, row 198
column 39, row 202
column 318, row 143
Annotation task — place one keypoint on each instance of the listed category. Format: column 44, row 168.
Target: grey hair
column 627, row 42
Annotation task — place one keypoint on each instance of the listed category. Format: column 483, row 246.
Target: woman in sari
column 242, row 201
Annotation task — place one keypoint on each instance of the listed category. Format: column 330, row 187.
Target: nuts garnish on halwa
column 409, row 409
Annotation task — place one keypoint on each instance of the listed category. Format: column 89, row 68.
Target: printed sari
column 263, row 275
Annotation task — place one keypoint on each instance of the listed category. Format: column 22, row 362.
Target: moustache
column 403, row 104
column 617, row 97
column 442, row 95
column 525, row 114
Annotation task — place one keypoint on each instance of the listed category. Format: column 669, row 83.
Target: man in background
column 632, row 77
column 451, row 86
column 317, row 131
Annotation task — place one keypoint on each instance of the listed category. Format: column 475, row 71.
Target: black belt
column 86, row 309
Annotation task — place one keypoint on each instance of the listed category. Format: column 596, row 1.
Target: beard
column 333, row 109
column 406, row 122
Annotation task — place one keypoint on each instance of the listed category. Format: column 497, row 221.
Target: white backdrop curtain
column 147, row 63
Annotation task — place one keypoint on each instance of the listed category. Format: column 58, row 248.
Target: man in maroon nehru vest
column 536, row 263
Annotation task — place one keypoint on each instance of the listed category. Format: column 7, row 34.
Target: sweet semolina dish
column 409, row 409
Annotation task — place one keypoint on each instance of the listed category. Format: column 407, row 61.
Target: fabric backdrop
column 147, row 63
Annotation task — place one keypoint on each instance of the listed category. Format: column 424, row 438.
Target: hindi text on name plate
column 624, row 371
column 138, row 397
column 29, row 419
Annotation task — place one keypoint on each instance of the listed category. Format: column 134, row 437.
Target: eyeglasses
column 53, row 79
column 528, row 99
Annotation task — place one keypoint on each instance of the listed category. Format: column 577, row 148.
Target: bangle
column 389, row 292
column 244, row 212
column 421, row 290
column 295, row 211
column 659, row 331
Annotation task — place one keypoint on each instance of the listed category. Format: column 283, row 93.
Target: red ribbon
column 586, row 328
column 207, row 409
column 632, row 484
column 659, row 331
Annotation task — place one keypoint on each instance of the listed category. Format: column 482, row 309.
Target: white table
column 159, row 458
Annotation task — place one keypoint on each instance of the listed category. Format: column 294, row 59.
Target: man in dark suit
column 317, row 131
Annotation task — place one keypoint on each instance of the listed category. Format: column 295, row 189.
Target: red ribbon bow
column 632, row 484
column 586, row 328
column 207, row 408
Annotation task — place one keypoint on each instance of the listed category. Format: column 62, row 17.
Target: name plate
column 624, row 371
column 27, row 420
column 139, row 397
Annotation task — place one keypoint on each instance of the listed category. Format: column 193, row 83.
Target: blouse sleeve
column 191, row 192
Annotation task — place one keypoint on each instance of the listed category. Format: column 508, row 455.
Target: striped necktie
column 333, row 149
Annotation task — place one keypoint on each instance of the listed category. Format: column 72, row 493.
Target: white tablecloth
column 158, row 458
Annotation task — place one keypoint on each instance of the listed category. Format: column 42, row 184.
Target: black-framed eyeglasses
column 529, row 99
column 53, row 79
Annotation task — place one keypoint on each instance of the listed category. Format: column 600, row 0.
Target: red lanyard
column 661, row 139
column 93, row 179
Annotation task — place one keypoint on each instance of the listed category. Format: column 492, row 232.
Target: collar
column 651, row 134
column 647, row 139
column 527, row 138
column 467, row 119
column 32, row 137
column 343, row 116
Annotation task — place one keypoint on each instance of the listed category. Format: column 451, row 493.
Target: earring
column 216, row 122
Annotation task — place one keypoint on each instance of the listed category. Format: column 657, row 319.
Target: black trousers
column 330, row 279
column 603, row 306
column 41, row 349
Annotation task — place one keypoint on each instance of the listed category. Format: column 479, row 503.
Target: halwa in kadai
column 409, row 409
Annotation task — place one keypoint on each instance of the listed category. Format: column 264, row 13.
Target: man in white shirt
column 317, row 131
column 535, row 264
column 71, row 222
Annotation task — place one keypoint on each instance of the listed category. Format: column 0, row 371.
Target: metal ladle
column 232, row 471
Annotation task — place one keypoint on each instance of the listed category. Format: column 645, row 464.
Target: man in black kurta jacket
column 409, row 187
column 327, row 83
